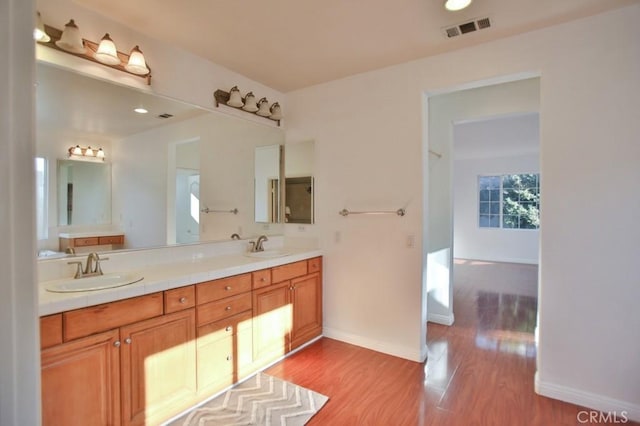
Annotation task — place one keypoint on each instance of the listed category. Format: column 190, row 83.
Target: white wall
column 369, row 136
column 19, row 352
column 504, row 145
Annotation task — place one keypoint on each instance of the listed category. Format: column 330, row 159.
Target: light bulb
column 107, row 52
column 100, row 153
column 39, row 32
column 454, row 5
column 70, row 40
column 137, row 64
column 88, row 152
column 77, row 150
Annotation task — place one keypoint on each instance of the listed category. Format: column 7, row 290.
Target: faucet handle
column 98, row 260
column 252, row 246
column 79, row 272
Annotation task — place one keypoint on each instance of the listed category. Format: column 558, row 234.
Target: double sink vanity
column 177, row 325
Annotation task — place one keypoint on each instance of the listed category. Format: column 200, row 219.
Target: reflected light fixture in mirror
column 70, row 40
column 39, row 33
column 454, row 5
column 86, row 154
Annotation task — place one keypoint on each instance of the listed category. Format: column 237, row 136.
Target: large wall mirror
column 177, row 173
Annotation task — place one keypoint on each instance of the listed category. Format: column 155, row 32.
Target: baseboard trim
column 376, row 345
column 441, row 318
column 587, row 399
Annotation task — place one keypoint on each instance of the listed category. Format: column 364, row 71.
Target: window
column 509, row 201
column 41, row 198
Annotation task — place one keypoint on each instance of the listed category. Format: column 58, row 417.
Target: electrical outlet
column 411, row 240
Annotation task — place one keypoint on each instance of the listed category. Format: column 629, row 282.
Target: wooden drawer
column 50, row 331
column 286, row 272
column 224, row 328
column 86, row 321
column 113, row 239
column 81, row 242
column 224, row 361
column 261, row 278
column 179, row 299
column 215, row 311
column 210, row 291
column 314, row 265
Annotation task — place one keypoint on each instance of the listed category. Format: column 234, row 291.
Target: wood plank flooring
column 479, row 371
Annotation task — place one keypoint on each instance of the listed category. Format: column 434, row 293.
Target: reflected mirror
column 84, row 193
column 177, row 172
column 267, row 167
column 299, row 182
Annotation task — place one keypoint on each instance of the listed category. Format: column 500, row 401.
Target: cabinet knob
column 183, row 300
column 127, row 340
column 228, row 328
column 116, row 343
column 228, row 288
column 229, row 357
column 228, row 308
column 263, row 279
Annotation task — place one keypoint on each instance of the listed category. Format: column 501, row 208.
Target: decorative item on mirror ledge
column 234, row 99
column 70, row 41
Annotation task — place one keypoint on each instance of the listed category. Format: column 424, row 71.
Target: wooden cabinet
column 141, row 360
column 224, row 320
column 287, row 314
column 79, row 243
column 140, row 373
column 306, row 302
column 81, row 382
column 158, row 364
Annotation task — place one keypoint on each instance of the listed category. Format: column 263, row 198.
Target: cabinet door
column 81, row 382
column 306, row 295
column 158, row 360
column 272, row 318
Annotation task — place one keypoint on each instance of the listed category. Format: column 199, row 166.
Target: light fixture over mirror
column 105, row 53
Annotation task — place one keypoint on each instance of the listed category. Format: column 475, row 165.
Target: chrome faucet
column 257, row 246
column 92, row 268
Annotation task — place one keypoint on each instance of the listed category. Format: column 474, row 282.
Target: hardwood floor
column 479, row 371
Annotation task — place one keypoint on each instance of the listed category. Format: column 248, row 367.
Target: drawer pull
column 183, row 300
column 228, row 308
column 127, row 340
column 116, row 343
column 229, row 357
column 228, row 288
column 229, row 328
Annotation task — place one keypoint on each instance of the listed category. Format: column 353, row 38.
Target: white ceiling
column 291, row 44
column 503, row 136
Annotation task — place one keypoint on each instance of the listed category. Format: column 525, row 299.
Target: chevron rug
column 261, row 400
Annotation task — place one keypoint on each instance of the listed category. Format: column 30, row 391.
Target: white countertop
column 89, row 234
column 164, row 277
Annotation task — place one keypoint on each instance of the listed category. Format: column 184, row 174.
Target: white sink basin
column 268, row 253
column 99, row 282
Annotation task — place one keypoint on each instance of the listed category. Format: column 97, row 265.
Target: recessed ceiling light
column 454, row 5
column 141, row 110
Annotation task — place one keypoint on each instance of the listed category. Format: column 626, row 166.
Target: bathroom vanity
column 192, row 329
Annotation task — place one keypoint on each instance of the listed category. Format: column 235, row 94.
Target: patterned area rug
column 260, row 400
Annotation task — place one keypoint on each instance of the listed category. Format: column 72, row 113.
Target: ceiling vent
column 467, row 27
column 165, row 115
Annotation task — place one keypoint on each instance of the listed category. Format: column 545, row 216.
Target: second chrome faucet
column 257, row 245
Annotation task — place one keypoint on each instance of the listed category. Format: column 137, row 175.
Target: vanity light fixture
column 233, row 98
column 86, row 154
column 104, row 52
column 107, row 52
column 137, row 64
column 455, row 5
column 39, row 33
